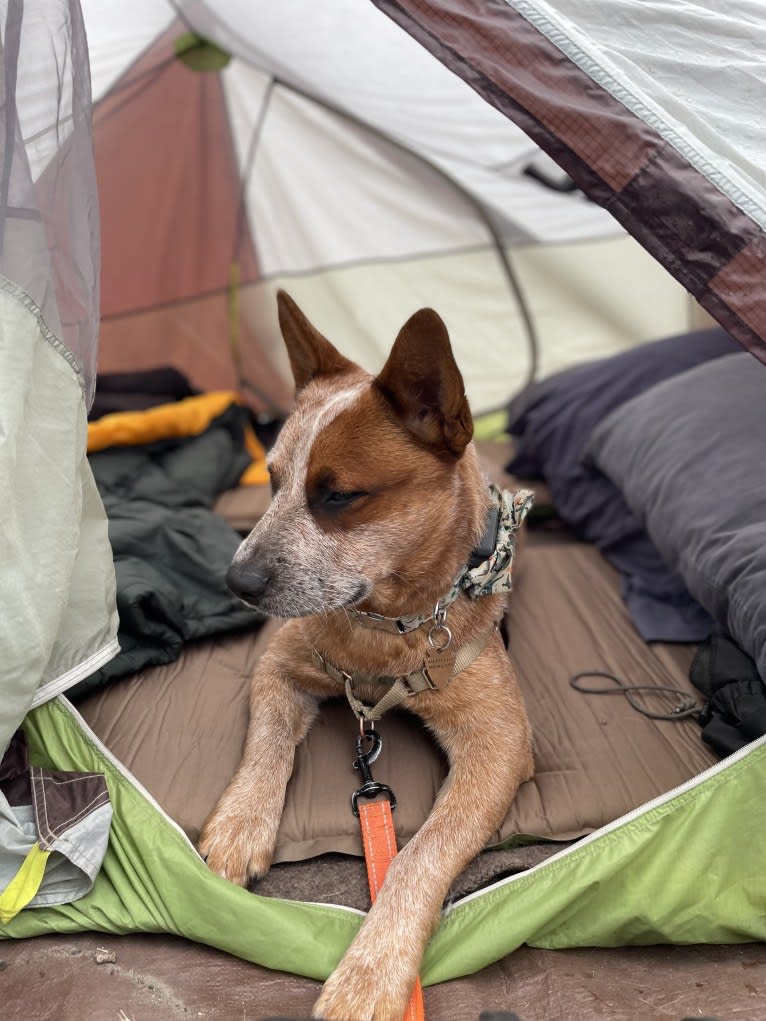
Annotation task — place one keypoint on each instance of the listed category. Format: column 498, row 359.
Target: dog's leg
column 239, row 837
column 483, row 730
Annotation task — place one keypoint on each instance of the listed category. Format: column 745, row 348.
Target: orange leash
column 379, row 840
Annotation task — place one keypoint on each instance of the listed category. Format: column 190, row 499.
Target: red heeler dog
column 378, row 506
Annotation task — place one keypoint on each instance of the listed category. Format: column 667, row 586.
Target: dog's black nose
column 248, row 581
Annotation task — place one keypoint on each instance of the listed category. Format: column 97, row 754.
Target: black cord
column 686, row 705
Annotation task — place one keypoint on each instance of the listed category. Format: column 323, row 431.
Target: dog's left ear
column 422, row 382
column 310, row 353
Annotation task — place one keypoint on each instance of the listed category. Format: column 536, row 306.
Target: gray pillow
column 689, row 456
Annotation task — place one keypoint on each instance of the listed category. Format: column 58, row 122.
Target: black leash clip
column 364, row 759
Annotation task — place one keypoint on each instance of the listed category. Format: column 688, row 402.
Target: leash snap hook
column 364, row 759
column 370, row 788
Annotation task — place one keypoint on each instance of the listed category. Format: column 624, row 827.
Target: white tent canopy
column 353, row 59
column 373, row 181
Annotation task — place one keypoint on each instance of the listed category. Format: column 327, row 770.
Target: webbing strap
column 402, row 687
column 395, row 694
column 379, row 840
column 25, row 884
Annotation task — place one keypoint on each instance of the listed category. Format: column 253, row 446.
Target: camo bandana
column 491, row 576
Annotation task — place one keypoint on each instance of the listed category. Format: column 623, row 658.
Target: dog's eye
column 335, row 500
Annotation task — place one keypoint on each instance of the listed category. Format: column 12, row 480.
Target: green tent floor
column 163, row 978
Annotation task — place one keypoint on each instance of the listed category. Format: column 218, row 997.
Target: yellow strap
column 24, row 885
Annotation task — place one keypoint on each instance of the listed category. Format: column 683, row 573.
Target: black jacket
column 171, row 552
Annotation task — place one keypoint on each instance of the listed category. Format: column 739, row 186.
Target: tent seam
column 605, row 80
column 47, row 334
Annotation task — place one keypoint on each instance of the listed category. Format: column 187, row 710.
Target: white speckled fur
column 313, row 572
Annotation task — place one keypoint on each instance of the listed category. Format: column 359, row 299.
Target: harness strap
column 379, row 840
column 431, row 676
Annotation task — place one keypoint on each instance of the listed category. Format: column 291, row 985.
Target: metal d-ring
column 440, row 624
column 448, row 637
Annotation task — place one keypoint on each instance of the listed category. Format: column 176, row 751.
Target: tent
column 218, row 186
column 223, row 140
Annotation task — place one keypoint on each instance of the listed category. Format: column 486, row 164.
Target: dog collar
column 487, row 572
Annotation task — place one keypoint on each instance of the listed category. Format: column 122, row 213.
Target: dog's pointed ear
column 423, row 384
column 309, row 352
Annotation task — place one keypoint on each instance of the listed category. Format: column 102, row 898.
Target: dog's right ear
column 310, row 353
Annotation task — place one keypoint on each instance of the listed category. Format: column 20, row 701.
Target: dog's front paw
column 232, row 844
column 364, row 991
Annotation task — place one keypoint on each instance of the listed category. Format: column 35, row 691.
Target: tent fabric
column 57, row 612
column 54, row 829
column 48, row 204
column 650, row 107
column 58, row 620
column 352, row 60
column 57, row 584
column 184, row 143
column 594, row 894
column 333, row 155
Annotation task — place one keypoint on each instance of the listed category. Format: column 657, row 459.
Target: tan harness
column 440, row 665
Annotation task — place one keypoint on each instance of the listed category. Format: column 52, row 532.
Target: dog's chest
column 370, row 660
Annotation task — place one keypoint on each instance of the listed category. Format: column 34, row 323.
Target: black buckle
column 486, row 545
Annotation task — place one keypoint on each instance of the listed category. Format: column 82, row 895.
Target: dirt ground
column 88, row 977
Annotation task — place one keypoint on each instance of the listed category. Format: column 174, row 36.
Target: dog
column 378, row 503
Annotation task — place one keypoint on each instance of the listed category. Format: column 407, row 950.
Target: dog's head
column 368, row 490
